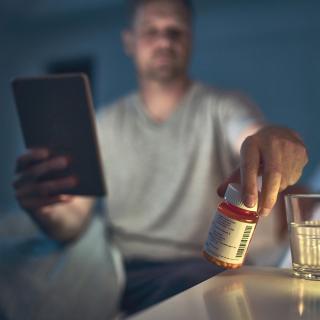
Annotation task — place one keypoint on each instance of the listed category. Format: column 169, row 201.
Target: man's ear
column 127, row 39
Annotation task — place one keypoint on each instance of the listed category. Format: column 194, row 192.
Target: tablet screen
column 56, row 112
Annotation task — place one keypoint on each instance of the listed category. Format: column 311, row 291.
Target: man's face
column 160, row 41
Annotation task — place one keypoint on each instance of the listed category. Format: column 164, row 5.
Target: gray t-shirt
column 162, row 177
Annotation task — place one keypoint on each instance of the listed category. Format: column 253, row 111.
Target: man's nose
column 164, row 39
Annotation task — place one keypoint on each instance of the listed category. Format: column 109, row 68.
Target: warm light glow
column 301, row 299
column 301, row 308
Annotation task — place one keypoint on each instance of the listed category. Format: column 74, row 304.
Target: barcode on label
column 244, row 241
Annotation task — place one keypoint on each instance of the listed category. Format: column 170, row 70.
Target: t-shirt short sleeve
column 238, row 113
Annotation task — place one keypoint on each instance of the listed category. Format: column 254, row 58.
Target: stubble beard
column 164, row 74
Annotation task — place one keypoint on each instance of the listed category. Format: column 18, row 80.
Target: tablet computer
column 56, row 112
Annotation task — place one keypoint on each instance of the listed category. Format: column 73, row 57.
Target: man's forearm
column 65, row 221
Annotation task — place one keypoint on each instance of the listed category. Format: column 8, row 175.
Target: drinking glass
column 303, row 216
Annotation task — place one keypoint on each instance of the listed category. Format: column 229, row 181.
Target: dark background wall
column 268, row 49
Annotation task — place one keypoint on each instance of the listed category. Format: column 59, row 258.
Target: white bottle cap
column 233, row 196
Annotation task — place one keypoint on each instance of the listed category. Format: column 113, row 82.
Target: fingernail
column 264, row 212
column 250, row 200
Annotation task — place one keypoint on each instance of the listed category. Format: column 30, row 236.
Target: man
column 166, row 149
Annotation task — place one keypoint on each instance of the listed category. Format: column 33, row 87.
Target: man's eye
column 169, row 33
column 174, row 34
column 151, row 33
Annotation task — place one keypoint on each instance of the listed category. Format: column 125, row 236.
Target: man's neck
column 161, row 100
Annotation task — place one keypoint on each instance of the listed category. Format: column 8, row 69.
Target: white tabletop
column 249, row 293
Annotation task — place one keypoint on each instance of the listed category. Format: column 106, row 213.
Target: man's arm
column 62, row 217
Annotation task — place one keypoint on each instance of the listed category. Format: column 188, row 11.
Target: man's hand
column 63, row 217
column 34, row 194
column 278, row 155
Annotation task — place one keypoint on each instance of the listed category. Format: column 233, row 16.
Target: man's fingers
column 47, row 188
column 37, row 203
column 271, row 180
column 249, row 168
column 297, row 167
column 41, row 169
column 270, row 189
column 30, row 157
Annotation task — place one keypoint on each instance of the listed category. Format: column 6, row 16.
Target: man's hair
column 134, row 5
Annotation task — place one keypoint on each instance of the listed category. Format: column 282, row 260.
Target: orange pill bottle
column 231, row 230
